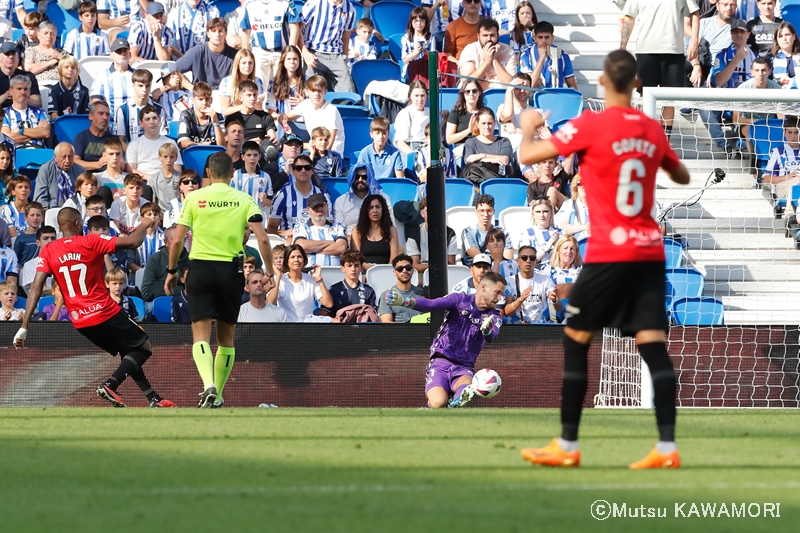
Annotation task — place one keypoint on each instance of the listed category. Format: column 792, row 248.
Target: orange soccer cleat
column 655, row 459
column 552, row 455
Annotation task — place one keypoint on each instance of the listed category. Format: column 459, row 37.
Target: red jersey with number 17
column 77, row 265
column 620, row 150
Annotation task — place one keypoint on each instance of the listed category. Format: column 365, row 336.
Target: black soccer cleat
column 208, row 397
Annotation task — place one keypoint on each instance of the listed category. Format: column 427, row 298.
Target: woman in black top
column 493, row 152
column 461, row 121
column 374, row 235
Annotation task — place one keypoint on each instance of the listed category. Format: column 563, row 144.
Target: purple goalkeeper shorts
column 442, row 373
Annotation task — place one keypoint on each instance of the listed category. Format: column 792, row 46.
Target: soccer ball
column 487, row 383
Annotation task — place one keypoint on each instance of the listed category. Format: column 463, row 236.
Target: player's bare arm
column 680, row 175
column 263, row 244
column 174, row 255
column 532, row 151
column 136, row 238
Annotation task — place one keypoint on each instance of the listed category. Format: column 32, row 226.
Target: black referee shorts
column 117, row 335
column 628, row 296
column 214, row 290
column 661, row 70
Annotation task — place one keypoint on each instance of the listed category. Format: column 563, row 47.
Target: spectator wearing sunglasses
column 362, row 182
column 528, row 291
column 291, row 203
column 403, row 271
column 188, row 181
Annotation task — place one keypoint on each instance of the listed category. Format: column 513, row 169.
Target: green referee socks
column 201, row 351
column 223, row 364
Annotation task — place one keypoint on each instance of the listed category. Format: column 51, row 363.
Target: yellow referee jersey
column 217, row 216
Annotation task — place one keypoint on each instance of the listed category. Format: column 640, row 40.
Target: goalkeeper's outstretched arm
column 423, row 305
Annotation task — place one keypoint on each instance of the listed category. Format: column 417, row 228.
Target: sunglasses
column 471, row 91
column 472, row 1
column 361, row 177
column 406, row 268
column 188, row 182
column 305, row 168
column 528, row 257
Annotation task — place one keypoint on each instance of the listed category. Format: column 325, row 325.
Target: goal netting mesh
column 733, row 262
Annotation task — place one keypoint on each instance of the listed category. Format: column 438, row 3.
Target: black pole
column 437, row 218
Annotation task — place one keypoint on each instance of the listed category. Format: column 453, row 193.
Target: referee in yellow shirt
column 217, row 216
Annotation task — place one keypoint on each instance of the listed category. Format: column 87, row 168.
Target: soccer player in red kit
column 623, row 282
column 76, row 263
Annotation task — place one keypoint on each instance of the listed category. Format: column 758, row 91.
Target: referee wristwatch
column 172, row 270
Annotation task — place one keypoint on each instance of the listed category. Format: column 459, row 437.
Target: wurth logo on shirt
column 201, row 204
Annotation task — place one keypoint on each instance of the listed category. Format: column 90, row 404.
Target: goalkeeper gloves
column 393, row 298
column 486, row 325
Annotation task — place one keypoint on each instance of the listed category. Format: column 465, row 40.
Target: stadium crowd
column 180, row 77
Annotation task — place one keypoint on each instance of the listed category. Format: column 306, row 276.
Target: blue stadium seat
column 492, row 98
column 343, row 98
column 557, row 126
column 766, row 134
column 700, row 311
column 352, row 111
column 356, row 133
column 683, row 282
column 16, row 34
column 507, row 192
column 225, row 6
column 32, row 157
column 791, row 13
column 399, row 189
column 44, row 301
column 20, row 303
column 162, row 309
column 359, row 10
column 336, row 187
column 173, row 130
column 583, row 245
column 139, row 304
column 66, row 127
column 395, row 47
column 390, row 17
column 562, row 103
column 447, row 98
column 195, row 156
column 369, row 70
column 63, row 19
column 674, row 253
column 458, row 192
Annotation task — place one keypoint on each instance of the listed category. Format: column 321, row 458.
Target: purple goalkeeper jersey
column 459, row 338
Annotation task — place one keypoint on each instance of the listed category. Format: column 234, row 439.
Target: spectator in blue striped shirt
column 188, row 24
column 323, row 242
column 252, row 180
column 26, row 126
column 269, row 26
column 13, row 213
column 171, row 93
column 362, row 45
column 113, row 16
column 327, row 26
column 8, row 264
column 114, row 86
column 151, row 40
column 290, row 205
column 9, row 7
column 87, row 40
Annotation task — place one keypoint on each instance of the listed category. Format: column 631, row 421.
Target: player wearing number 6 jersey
column 622, row 284
column 76, row 263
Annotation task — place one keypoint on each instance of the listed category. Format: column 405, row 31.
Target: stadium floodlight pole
column 437, row 219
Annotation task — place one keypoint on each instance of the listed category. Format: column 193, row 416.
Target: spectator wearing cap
column 114, row 16
column 27, row 126
column 267, row 29
column 732, row 65
column 126, row 116
column 171, row 90
column 291, row 203
column 42, row 60
column 327, row 27
column 188, row 22
column 115, row 85
column 55, row 181
column 481, row 264
column 151, row 40
column 281, row 170
column 90, row 143
column 9, row 68
column 362, row 182
column 209, row 62
column 322, row 241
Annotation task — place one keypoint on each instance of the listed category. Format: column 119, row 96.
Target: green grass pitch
column 383, row 470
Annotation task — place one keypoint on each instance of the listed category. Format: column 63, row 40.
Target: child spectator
column 201, row 124
column 327, row 164
column 171, row 91
column 154, row 239
column 362, row 45
column 189, row 181
column 180, row 305
column 8, row 297
column 277, row 257
column 785, row 54
column 68, row 96
column 165, row 182
column 25, row 245
column 495, row 247
column 286, row 89
column 87, row 40
column 96, row 205
column 524, row 22
column 126, row 117
column 422, row 160
column 125, row 211
column 151, row 41
column 351, row 290
column 13, row 213
column 188, row 21
column 409, row 125
column 30, row 24
column 384, row 158
column 316, row 111
column 244, row 65
column 252, row 180
column 113, row 176
column 56, row 311
column 85, row 188
column 9, row 268
column 783, row 167
column 121, row 259
column 415, row 45
column 548, row 64
column 142, row 152
column 44, row 236
column 258, row 124
column 548, row 180
column 116, row 281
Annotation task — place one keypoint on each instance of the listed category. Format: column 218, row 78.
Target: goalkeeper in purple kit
column 470, row 321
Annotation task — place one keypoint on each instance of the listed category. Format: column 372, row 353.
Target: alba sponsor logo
column 620, row 236
column 86, row 311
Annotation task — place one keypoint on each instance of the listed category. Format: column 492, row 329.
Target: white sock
column 568, row 446
column 664, row 448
